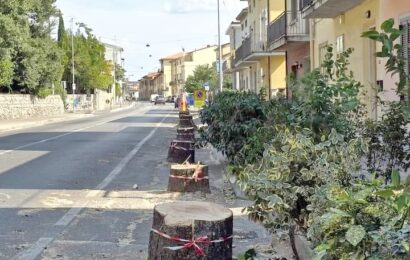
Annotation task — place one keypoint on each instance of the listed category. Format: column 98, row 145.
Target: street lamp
column 220, row 51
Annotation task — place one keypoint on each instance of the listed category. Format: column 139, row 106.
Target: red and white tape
column 189, row 178
column 191, row 243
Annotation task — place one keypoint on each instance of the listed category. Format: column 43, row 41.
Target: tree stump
column 191, row 230
column 183, row 113
column 181, row 151
column 189, row 178
column 186, row 122
column 185, row 130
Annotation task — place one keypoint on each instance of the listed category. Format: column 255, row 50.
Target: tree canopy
column 92, row 71
column 202, row 74
column 29, row 58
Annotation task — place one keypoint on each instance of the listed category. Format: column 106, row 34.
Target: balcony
column 326, row 8
column 252, row 51
column 288, row 29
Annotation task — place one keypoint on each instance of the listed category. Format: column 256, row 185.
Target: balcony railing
column 287, row 25
column 249, row 47
column 305, row 3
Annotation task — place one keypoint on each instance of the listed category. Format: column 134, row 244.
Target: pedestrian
column 177, row 102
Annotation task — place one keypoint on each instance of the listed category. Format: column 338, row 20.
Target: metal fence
column 287, row 24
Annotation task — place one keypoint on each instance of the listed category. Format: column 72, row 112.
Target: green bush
column 232, row 118
column 361, row 221
column 43, row 92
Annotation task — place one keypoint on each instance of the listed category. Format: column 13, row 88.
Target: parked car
column 153, row 97
column 159, row 100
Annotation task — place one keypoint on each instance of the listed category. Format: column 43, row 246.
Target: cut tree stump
column 181, row 151
column 188, row 230
column 185, row 130
column 183, row 113
column 186, row 137
column 186, row 122
column 189, row 178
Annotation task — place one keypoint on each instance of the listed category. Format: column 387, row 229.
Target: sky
column 168, row 26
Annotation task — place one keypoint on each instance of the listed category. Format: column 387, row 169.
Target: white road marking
column 70, row 215
column 50, row 139
column 56, row 137
column 38, row 247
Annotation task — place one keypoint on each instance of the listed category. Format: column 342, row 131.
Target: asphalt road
column 66, row 189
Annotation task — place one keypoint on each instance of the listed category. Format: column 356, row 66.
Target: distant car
column 153, row 97
column 159, row 100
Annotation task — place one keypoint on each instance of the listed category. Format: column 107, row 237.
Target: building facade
column 340, row 24
column 114, row 54
column 261, row 69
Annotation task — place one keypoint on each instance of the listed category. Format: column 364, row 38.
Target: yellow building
column 341, row 23
column 183, row 64
column 258, row 65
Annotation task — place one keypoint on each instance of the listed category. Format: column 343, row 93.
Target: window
column 340, row 44
column 405, row 41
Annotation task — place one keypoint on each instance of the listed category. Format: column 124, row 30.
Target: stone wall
column 26, row 106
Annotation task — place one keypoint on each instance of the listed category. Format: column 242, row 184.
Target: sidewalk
column 18, row 124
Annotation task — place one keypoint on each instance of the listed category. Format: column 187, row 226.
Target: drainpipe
column 286, row 52
column 269, row 73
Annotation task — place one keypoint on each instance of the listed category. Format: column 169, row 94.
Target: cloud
column 194, row 6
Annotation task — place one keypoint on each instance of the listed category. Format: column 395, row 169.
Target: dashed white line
column 36, row 249
column 71, row 214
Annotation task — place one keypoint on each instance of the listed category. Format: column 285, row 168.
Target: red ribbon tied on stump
column 190, row 243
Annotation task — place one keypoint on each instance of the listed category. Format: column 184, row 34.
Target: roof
column 232, row 25
column 152, row 75
column 174, row 56
column 242, row 14
column 203, row 48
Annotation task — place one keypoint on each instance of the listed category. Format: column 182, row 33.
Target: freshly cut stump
column 186, row 137
column 186, row 122
column 188, row 178
column 185, row 130
column 183, row 113
column 209, row 225
column 181, row 151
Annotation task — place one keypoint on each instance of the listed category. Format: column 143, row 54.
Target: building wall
column 276, row 8
column 391, row 9
column 298, row 59
column 200, row 57
column 278, row 73
column 26, row 106
column 351, row 25
column 167, row 78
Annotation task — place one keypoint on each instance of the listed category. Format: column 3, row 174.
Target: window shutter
column 405, row 41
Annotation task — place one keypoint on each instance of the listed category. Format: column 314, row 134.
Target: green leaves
column 387, row 25
column 355, row 234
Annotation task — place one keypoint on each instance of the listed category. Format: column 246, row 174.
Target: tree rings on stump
column 191, row 230
column 181, row 151
column 188, row 178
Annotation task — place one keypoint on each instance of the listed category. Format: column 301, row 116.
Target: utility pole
column 72, row 61
column 220, row 51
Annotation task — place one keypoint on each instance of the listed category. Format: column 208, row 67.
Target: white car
column 153, row 97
